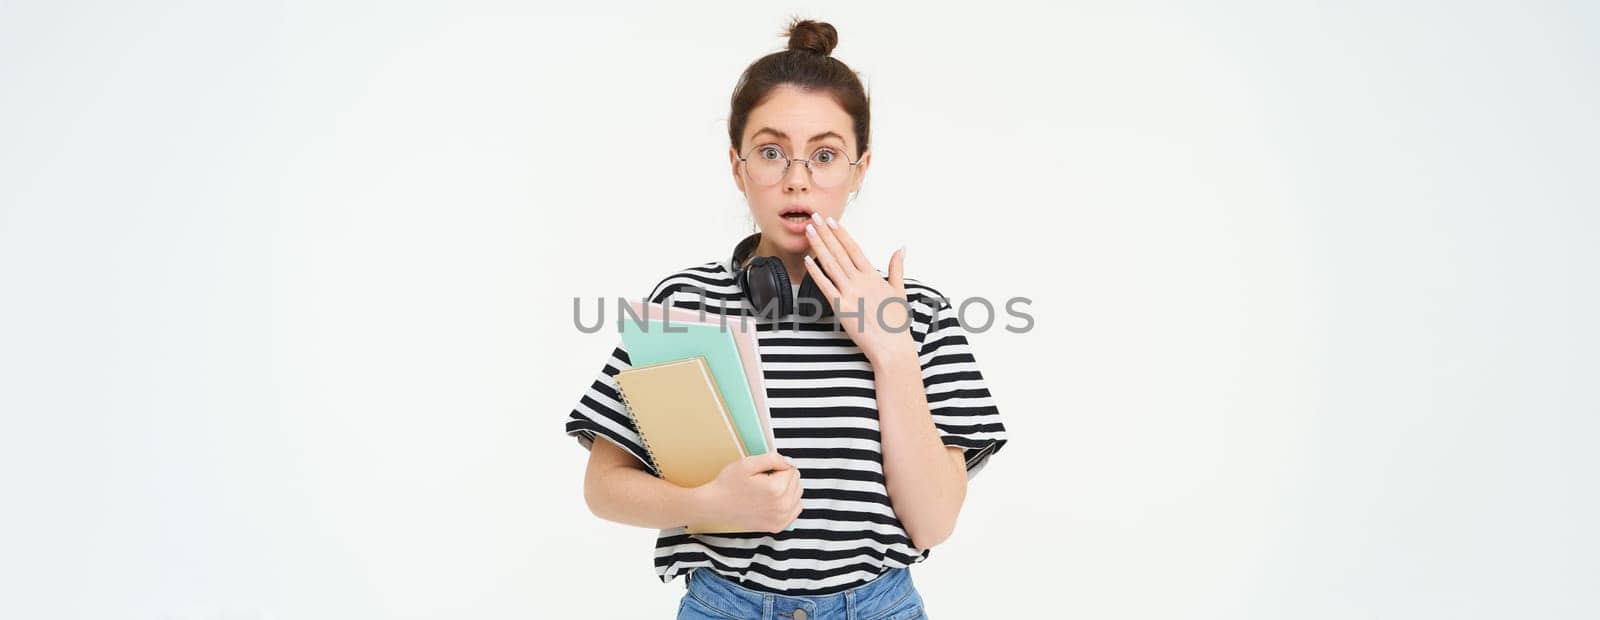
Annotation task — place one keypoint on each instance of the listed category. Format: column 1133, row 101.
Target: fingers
column 789, row 500
column 829, row 291
column 795, row 497
column 825, row 256
column 897, row 271
column 795, row 490
column 849, row 246
column 769, row 461
column 825, row 232
column 791, row 486
column 829, row 231
column 781, row 485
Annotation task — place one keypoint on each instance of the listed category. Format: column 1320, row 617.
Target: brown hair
column 807, row 65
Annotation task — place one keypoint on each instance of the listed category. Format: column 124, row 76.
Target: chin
column 795, row 247
column 786, row 241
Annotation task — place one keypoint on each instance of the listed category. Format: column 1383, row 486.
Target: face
column 799, row 124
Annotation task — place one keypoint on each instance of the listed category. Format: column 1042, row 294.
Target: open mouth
column 796, row 214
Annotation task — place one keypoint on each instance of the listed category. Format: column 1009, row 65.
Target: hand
column 878, row 307
column 746, row 496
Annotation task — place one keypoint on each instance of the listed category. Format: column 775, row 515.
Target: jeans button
column 799, row 614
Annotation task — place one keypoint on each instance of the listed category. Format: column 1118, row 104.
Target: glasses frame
column 789, row 163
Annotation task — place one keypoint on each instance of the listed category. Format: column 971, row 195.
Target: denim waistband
column 884, row 593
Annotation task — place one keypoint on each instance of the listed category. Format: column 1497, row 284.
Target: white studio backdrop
column 286, row 324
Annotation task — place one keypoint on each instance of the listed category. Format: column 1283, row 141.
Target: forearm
column 926, row 487
column 635, row 497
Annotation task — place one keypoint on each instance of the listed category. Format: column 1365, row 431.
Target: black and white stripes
column 824, row 414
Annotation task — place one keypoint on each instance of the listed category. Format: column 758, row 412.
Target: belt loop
column 850, row 604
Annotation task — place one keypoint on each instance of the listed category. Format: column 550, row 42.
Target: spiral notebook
column 683, row 422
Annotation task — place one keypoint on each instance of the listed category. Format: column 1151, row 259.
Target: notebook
column 664, row 338
column 744, row 335
column 683, row 422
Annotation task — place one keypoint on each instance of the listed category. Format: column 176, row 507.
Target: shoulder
column 925, row 299
column 920, row 291
column 928, row 304
column 710, row 277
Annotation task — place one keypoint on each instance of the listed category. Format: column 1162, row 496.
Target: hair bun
column 812, row 36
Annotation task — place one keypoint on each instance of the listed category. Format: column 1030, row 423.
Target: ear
column 861, row 170
column 733, row 162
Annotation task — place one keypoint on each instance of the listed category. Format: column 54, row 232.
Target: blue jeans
column 889, row 596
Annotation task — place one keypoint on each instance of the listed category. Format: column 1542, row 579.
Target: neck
column 794, row 263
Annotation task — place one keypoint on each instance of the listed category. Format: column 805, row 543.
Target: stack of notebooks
column 695, row 392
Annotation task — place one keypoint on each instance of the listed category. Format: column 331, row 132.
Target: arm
column 756, row 493
column 617, row 488
column 927, row 480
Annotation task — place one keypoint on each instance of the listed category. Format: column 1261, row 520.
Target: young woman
column 878, row 427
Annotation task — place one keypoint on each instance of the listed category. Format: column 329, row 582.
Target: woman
column 878, row 428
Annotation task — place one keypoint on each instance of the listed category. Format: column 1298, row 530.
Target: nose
column 796, row 178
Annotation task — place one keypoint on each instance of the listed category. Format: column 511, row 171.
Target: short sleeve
column 600, row 412
column 963, row 410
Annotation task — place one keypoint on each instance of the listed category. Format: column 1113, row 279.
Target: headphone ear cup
column 764, row 282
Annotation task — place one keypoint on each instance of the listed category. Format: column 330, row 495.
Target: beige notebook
column 683, row 423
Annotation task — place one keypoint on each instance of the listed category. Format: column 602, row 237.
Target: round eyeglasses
column 829, row 167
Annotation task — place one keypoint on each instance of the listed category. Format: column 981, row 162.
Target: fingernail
column 811, row 231
column 816, row 216
column 808, row 258
column 832, row 223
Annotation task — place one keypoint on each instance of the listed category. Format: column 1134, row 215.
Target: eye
column 770, row 153
column 824, row 156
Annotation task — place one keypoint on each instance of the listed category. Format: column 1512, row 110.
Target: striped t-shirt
column 825, row 422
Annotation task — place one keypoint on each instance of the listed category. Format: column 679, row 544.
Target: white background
column 285, row 297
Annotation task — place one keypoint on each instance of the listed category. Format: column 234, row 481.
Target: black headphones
column 765, row 281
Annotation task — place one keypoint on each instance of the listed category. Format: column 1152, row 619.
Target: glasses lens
column 765, row 165
column 828, row 168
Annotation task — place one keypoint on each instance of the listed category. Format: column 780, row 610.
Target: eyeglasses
column 829, row 168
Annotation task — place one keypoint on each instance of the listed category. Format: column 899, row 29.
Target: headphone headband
column 742, row 251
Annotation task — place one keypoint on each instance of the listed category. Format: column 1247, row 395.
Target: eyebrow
column 784, row 136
